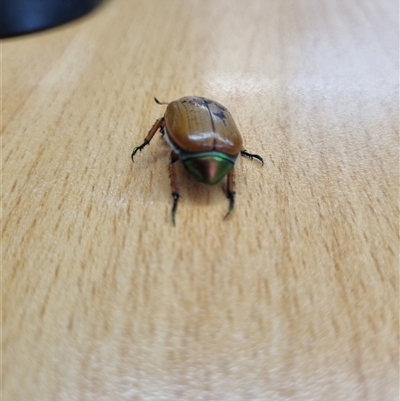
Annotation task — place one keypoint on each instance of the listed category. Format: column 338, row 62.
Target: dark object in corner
column 19, row 17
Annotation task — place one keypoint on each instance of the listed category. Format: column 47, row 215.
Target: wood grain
column 294, row 297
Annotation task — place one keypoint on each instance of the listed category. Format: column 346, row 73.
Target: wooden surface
column 294, row 297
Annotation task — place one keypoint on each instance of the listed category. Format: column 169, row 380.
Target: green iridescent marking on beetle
column 183, row 156
column 208, row 167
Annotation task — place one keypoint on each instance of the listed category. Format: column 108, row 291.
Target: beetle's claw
column 252, row 156
column 176, row 197
column 134, row 151
column 231, row 197
column 258, row 158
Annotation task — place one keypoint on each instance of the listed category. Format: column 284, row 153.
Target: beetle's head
column 210, row 167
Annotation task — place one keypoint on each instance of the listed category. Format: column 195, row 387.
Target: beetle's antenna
column 158, row 102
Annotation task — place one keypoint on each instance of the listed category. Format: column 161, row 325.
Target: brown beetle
column 204, row 137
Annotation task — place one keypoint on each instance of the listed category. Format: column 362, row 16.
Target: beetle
column 203, row 136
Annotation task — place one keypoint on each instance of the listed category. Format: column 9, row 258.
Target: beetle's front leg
column 251, row 155
column 174, row 187
column 157, row 125
column 230, row 191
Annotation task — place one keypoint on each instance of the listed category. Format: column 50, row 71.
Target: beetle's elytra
column 204, row 137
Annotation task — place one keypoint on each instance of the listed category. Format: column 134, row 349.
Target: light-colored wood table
column 293, row 297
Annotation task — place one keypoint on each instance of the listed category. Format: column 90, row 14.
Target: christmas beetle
column 204, row 137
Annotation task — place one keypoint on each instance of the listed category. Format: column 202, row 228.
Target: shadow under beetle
column 204, row 137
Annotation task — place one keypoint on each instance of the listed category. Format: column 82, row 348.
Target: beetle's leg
column 174, row 187
column 251, row 155
column 157, row 125
column 230, row 191
column 162, row 130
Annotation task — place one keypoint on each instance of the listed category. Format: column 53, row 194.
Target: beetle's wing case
column 196, row 124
